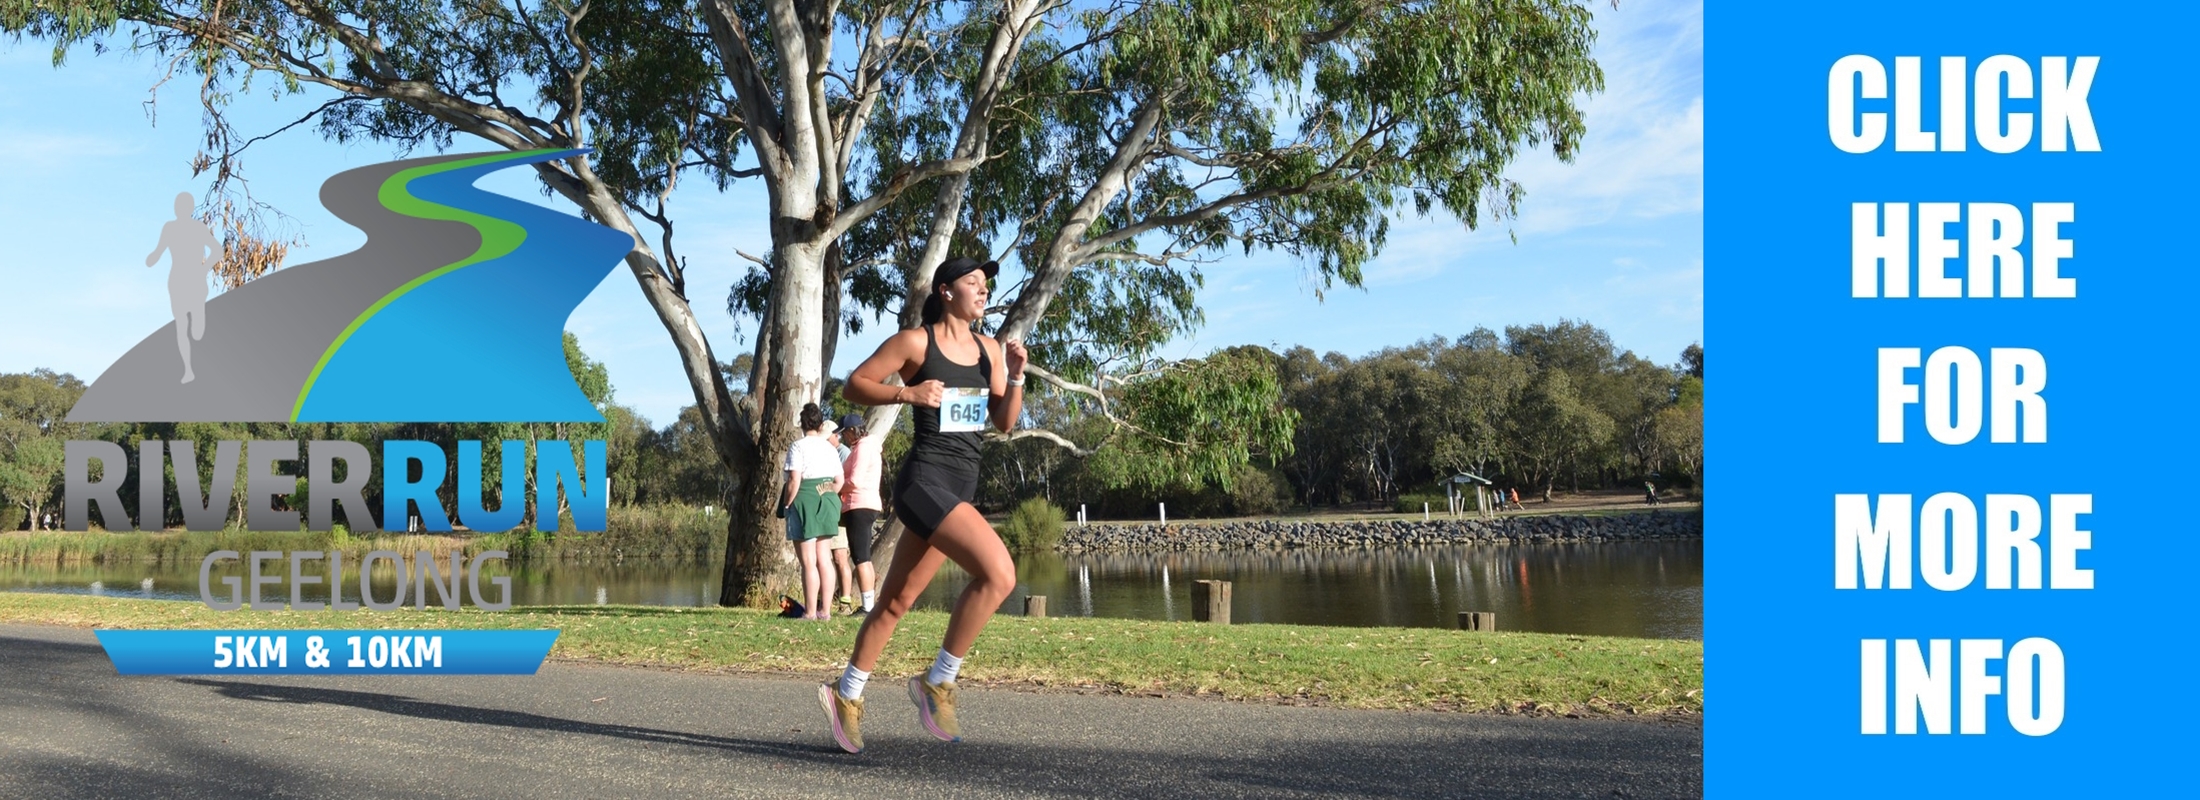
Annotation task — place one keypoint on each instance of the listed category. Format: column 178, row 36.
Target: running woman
column 957, row 381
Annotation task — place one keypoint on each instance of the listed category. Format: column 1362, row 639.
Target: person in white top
column 812, row 509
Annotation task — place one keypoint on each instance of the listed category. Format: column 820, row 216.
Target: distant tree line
column 1538, row 408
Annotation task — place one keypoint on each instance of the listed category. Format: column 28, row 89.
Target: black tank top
column 953, row 449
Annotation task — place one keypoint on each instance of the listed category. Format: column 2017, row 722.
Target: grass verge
column 1396, row 668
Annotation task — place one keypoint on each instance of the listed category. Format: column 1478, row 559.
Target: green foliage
column 1679, row 430
column 1528, row 408
column 1368, row 429
column 33, row 433
column 1554, row 428
column 1413, row 502
column 1129, row 142
column 1034, row 525
column 1257, row 492
column 646, row 466
column 1298, row 126
column 591, row 375
column 1197, row 421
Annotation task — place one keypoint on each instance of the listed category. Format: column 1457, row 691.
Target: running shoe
column 845, row 715
column 935, row 708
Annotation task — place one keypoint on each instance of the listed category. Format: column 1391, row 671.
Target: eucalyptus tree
column 33, row 428
column 660, row 89
column 1135, row 138
column 1680, row 425
column 1554, row 430
column 1145, row 138
column 1482, row 382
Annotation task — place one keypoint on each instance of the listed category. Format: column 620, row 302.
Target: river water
column 1636, row 588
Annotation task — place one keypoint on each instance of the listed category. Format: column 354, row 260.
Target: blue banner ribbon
column 327, row 652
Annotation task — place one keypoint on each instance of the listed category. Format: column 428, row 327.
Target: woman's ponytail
column 934, row 307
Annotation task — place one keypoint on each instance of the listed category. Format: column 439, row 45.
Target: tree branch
column 1038, row 433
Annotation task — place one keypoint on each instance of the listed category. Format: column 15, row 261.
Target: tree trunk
column 756, row 544
column 830, row 319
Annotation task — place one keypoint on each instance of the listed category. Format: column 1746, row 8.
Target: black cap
column 964, row 265
column 852, row 421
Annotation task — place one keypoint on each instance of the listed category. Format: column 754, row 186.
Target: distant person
column 957, row 382
column 859, row 499
column 1516, row 499
column 192, row 253
column 812, row 508
column 838, row 544
column 1650, row 492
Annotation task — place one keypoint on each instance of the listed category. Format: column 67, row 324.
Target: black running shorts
column 925, row 493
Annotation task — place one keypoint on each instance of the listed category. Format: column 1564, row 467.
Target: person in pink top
column 859, row 499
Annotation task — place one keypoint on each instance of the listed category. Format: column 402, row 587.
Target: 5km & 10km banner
column 1943, row 267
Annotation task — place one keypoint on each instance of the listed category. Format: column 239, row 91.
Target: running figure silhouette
column 188, row 243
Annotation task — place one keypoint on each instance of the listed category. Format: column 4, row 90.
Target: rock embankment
column 1277, row 534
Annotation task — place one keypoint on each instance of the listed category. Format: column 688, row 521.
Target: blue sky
column 1614, row 239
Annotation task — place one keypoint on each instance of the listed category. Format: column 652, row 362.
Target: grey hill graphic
column 453, row 311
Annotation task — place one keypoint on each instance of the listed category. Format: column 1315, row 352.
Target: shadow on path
column 83, row 731
column 473, row 715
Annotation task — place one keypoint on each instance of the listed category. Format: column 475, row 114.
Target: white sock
column 852, row 681
column 867, row 597
column 944, row 669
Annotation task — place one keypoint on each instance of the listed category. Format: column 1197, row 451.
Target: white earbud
column 950, row 295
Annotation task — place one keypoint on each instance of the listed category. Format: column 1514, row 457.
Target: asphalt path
column 71, row 727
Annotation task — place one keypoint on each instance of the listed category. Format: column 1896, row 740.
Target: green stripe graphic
column 498, row 238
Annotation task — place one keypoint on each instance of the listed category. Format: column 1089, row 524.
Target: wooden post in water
column 1035, row 605
column 1211, row 602
column 1478, row 620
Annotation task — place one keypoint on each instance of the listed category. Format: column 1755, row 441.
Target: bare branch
column 1038, row 433
column 294, row 123
column 900, row 182
column 1341, row 171
column 751, row 90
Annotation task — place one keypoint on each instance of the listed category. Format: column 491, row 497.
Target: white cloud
column 1643, row 155
column 38, row 148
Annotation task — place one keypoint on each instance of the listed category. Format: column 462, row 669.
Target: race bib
column 962, row 410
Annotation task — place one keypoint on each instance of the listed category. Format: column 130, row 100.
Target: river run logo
column 453, row 311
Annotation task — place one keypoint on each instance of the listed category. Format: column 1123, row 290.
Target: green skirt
column 819, row 513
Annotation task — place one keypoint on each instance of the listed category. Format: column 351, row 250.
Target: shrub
column 1035, row 524
column 1256, row 492
column 11, row 518
column 1410, row 502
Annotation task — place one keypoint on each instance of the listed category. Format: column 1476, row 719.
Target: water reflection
column 1650, row 589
